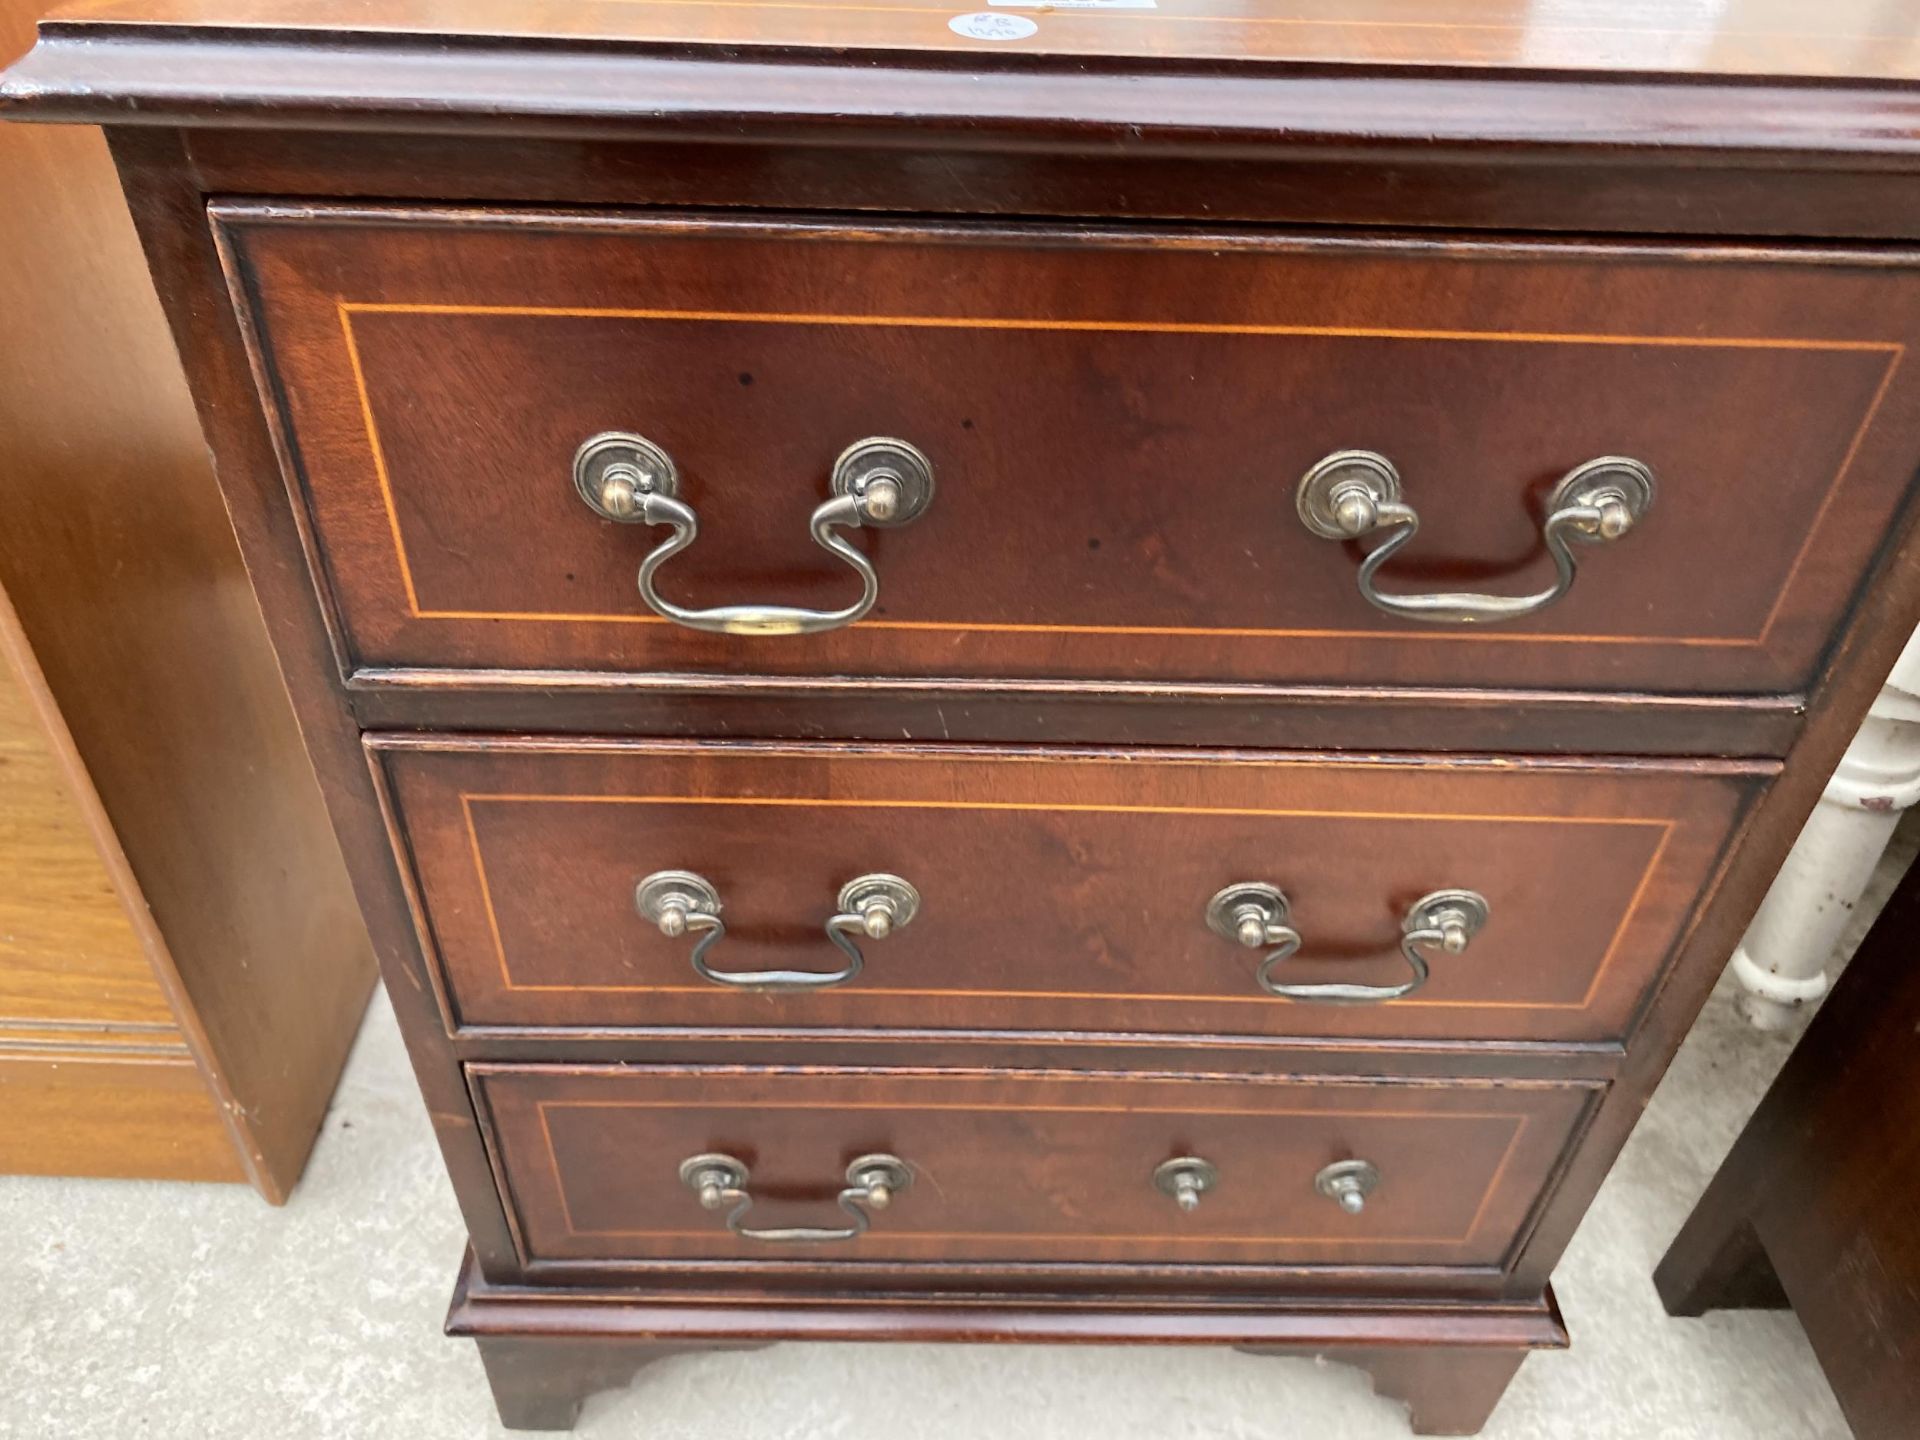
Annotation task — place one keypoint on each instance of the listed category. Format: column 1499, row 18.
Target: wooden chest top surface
column 1856, row 39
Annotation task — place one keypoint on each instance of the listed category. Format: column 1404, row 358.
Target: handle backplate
column 614, row 472
column 1185, row 1179
column 891, row 480
column 1451, row 917
column 670, row 899
column 1341, row 496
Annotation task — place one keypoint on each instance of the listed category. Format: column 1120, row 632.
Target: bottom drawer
column 1029, row 1167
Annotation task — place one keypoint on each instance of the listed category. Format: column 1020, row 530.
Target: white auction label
column 985, row 25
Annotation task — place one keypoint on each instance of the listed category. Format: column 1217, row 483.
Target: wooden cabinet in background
column 1817, row 1206
column 182, row 967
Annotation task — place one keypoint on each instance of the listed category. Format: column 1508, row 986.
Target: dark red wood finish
column 547, row 1348
column 1117, row 422
column 1864, row 40
column 1061, row 891
column 1076, row 712
column 1466, row 148
column 589, row 1161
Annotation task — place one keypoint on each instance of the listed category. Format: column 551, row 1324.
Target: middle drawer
column 613, row 885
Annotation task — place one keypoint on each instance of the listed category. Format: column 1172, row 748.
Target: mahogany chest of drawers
column 1087, row 674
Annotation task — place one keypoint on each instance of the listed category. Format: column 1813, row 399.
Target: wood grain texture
column 1693, row 150
column 1047, row 712
column 948, row 133
column 139, row 615
column 639, row 1311
column 1724, row 125
column 169, row 213
column 1575, row 186
column 70, row 956
column 1062, row 891
column 1854, row 38
column 103, row 73
column 546, row 1350
column 589, row 1161
column 1815, row 1206
column 1855, row 670
column 97, row 1074
column 539, row 1383
column 87, row 1111
column 1044, row 371
column 1075, row 712
column 1446, row 1392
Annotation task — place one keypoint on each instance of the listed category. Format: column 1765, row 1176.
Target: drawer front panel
column 1117, row 426
column 1057, row 890
column 1023, row 1168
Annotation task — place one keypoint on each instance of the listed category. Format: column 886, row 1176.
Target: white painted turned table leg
column 1781, row 964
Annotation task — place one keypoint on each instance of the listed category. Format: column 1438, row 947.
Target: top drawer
column 1117, row 422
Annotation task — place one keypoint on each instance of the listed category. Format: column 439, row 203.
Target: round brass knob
column 1185, row 1180
column 672, row 898
column 1355, row 510
column 1616, row 516
column 615, row 473
column 880, row 1177
column 881, row 498
column 1348, row 1183
column 1340, row 498
column 880, row 903
column 877, row 921
column 1450, row 917
column 713, row 1178
column 1250, row 914
column 621, row 488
